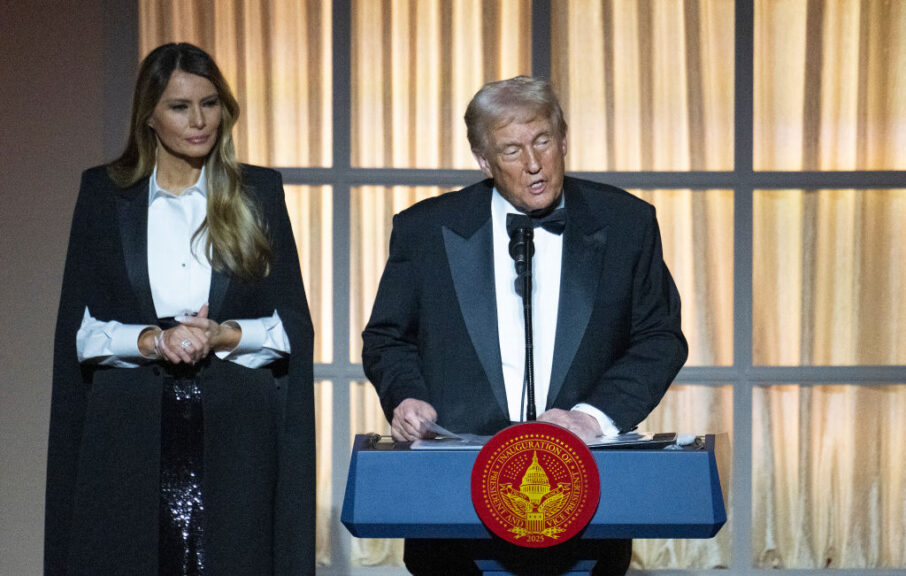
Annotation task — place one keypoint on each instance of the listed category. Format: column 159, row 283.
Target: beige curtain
column 371, row 216
column 645, row 84
column 828, row 476
column 323, row 470
column 310, row 211
column 829, row 270
column 829, row 462
column 830, row 85
column 416, row 65
column 829, row 277
column 276, row 55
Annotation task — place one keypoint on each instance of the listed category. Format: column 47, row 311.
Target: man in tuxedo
column 445, row 341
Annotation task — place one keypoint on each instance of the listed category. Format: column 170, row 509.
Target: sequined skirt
column 181, row 524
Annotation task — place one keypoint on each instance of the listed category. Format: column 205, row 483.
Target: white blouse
column 180, row 277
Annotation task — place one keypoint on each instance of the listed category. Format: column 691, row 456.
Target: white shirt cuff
column 124, row 339
column 607, row 426
column 262, row 341
column 252, row 339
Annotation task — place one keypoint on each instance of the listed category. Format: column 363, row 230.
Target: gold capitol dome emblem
column 535, row 487
column 535, row 500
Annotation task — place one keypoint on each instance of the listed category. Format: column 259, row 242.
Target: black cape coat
column 104, row 446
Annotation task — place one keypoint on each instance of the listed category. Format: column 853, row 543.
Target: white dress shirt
column 546, row 267
column 180, row 277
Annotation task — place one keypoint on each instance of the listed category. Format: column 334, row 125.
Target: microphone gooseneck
column 522, row 248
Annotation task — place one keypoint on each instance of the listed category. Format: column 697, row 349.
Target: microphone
column 522, row 248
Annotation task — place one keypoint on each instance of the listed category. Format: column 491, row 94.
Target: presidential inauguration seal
column 535, row 485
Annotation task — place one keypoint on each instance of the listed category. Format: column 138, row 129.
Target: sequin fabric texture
column 181, row 550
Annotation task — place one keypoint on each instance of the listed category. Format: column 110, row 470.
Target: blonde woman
column 182, row 426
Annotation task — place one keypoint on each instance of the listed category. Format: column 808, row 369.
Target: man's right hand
column 410, row 419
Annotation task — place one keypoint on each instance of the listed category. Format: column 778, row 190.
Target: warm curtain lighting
column 830, row 85
column 829, row 285
column 310, row 211
column 372, row 209
column 829, row 277
column 415, row 66
column 829, row 461
column 646, row 85
column 324, row 470
column 276, row 55
column 829, row 477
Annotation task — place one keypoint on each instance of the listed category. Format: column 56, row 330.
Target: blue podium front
column 395, row 492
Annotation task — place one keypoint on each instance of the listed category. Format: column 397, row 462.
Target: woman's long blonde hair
column 237, row 241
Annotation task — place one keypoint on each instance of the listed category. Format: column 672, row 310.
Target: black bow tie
column 555, row 222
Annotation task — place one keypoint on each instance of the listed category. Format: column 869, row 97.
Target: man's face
column 525, row 159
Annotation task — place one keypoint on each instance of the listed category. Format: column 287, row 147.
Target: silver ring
column 185, row 343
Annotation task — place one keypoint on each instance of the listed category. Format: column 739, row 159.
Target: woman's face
column 187, row 117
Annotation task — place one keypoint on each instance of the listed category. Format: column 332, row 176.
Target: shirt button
column 183, row 264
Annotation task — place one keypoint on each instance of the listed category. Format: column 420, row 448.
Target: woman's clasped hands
column 191, row 340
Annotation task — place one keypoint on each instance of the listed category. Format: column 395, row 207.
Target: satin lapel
column 132, row 211
column 472, row 266
column 220, row 282
column 584, row 243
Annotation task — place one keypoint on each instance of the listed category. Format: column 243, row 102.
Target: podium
column 395, row 492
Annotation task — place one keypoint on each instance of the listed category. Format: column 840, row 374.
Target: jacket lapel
column 220, row 282
column 584, row 244
column 132, row 212
column 469, row 248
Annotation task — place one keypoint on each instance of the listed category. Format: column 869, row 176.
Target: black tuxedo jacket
column 433, row 330
column 104, row 452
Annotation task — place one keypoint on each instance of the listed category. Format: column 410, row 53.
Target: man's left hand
column 579, row 423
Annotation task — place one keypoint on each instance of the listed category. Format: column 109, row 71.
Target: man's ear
column 483, row 163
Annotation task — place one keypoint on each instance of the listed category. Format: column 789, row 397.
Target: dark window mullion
column 541, row 38
column 744, row 82
column 341, row 21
